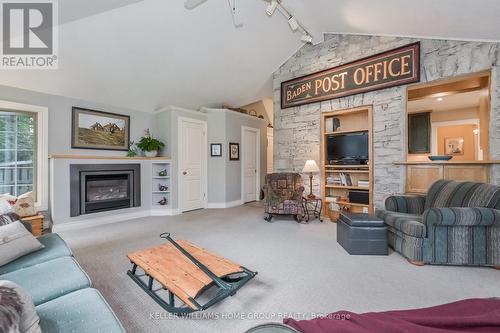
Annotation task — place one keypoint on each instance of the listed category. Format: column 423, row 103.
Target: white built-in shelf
column 156, row 180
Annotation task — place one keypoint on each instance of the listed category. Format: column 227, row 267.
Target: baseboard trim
column 58, row 227
column 103, row 220
column 165, row 212
column 221, row 205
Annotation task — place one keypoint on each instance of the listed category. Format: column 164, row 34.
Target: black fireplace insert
column 103, row 187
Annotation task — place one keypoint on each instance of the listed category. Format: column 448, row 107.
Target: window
column 18, row 152
column 23, row 151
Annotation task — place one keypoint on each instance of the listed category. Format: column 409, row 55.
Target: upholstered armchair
column 283, row 195
column 456, row 223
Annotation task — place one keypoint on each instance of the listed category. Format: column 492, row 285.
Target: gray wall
column 223, row 126
column 217, row 165
column 60, row 119
column 224, row 176
column 234, row 122
column 297, row 129
column 167, row 130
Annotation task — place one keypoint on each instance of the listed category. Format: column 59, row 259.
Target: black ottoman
column 362, row 234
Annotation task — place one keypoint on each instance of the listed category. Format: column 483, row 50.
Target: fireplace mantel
column 95, row 157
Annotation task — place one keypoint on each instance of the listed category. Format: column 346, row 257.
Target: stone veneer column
column 297, row 129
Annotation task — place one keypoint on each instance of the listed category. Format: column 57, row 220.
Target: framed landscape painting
column 93, row 129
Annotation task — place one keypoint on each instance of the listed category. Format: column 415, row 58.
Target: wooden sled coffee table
column 185, row 271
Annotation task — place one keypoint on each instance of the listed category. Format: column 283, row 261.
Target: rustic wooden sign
column 388, row 69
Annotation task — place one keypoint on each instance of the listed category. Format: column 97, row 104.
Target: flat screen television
column 348, row 148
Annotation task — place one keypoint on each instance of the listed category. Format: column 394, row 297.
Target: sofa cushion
column 84, row 310
column 15, row 242
column 447, row 193
column 408, row 224
column 55, row 247
column 50, row 279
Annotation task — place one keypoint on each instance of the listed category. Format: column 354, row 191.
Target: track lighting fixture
column 236, row 13
column 271, row 8
column 292, row 22
column 307, row 39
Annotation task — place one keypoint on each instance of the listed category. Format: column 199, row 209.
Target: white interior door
column 250, row 164
column 192, row 164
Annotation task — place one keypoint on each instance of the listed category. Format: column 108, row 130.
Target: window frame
column 42, row 172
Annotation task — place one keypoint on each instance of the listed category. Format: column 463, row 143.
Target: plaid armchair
column 456, row 223
column 283, row 195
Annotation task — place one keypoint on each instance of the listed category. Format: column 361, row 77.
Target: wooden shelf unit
column 351, row 120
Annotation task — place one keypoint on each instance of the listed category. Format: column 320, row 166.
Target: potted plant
column 150, row 145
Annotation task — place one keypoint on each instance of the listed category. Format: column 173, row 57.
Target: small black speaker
column 360, row 197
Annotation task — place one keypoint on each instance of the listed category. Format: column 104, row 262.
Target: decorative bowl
column 440, row 157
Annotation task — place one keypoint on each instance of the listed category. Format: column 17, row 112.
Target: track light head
column 307, row 39
column 292, row 22
column 271, row 8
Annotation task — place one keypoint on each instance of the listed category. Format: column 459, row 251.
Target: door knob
column 185, row 173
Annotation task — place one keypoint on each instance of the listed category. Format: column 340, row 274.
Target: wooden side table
column 312, row 206
column 36, row 222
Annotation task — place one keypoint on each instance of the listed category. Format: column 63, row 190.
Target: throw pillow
column 17, row 311
column 5, row 206
column 8, row 218
column 25, row 205
column 9, row 197
column 15, row 242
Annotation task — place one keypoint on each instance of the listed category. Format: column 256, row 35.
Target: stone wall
column 297, row 129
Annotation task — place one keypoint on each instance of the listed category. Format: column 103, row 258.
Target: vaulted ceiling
column 145, row 54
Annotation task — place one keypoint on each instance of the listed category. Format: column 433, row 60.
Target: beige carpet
column 302, row 271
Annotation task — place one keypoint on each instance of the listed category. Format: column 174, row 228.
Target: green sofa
column 61, row 290
column 456, row 223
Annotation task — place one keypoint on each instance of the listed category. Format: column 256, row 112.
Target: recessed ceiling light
column 439, row 99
